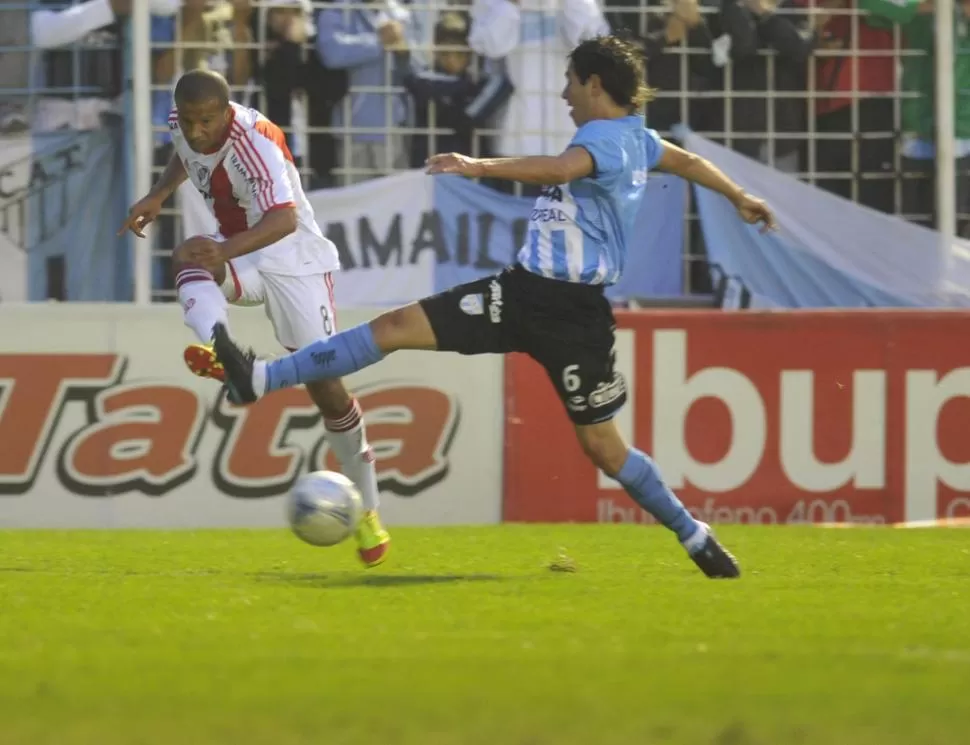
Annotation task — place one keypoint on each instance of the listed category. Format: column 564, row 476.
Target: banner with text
column 853, row 417
column 62, row 198
column 102, row 426
column 409, row 235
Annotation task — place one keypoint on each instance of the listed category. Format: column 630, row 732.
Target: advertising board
column 764, row 417
column 101, row 425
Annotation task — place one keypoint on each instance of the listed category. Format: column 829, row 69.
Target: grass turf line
column 465, row 638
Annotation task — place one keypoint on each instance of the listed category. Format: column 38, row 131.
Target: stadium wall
column 768, row 417
column 101, row 426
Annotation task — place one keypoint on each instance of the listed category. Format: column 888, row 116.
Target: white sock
column 203, row 304
column 348, row 440
column 259, row 378
column 696, row 542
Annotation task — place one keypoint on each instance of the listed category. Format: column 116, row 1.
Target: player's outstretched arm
column 148, row 208
column 544, row 170
column 702, row 172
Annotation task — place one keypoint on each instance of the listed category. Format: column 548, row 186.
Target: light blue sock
column 341, row 354
column 642, row 481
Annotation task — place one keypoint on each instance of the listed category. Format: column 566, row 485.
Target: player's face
column 576, row 95
column 204, row 124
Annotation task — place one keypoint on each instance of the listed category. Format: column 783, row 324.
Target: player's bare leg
column 403, row 328
column 203, row 305
column 636, row 471
column 344, row 423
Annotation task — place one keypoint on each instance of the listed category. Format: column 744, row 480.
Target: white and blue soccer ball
column 324, row 508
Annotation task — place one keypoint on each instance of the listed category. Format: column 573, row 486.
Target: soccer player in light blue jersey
column 551, row 303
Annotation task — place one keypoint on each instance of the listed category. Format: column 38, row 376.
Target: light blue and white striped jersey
column 580, row 231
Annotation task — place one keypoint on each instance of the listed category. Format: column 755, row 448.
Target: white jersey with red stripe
column 253, row 173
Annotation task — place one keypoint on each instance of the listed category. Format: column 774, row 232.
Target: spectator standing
column 216, row 36
column 95, row 70
column 283, row 27
column 662, row 37
column 449, row 101
column 424, row 17
column 665, row 38
column 372, row 44
column 866, row 152
column 533, row 37
column 205, row 36
column 770, row 51
column 919, row 110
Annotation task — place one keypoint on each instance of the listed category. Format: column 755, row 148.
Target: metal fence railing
column 826, row 91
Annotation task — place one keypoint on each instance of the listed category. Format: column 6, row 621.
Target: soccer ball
column 324, row 508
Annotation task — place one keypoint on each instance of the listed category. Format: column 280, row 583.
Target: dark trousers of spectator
column 876, row 142
column 321, row 146
column 919, row 193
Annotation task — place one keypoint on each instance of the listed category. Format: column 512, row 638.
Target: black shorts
column 566, row 327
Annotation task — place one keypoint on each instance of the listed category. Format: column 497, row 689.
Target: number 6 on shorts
column 571, row 381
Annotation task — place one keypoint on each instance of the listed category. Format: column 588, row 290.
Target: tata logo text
column 144, row 436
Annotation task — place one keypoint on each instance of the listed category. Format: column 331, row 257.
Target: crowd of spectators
column 836, row 92
column 839, row 92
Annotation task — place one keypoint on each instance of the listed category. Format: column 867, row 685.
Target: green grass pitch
column 465, row 637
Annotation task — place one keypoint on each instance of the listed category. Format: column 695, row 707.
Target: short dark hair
column 198, row 86
column 619, row 65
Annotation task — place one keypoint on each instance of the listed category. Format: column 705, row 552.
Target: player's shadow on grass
column 350, row 579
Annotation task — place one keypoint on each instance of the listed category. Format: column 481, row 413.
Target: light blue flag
column 828, row 251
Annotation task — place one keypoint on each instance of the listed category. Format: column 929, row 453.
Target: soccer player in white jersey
column 551, row 303
column 269, row 251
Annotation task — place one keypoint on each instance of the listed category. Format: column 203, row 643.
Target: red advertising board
column 768, row 417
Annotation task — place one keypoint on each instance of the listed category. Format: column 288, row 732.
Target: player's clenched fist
column 142, row 213
column 454, row 163
column 201, row 251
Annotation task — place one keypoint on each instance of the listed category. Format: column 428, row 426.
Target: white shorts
column 301, row 308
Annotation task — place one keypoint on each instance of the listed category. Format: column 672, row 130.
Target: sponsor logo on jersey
column 236, row 163
column 203, row 174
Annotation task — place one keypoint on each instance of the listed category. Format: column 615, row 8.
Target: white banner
column 102, row 426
